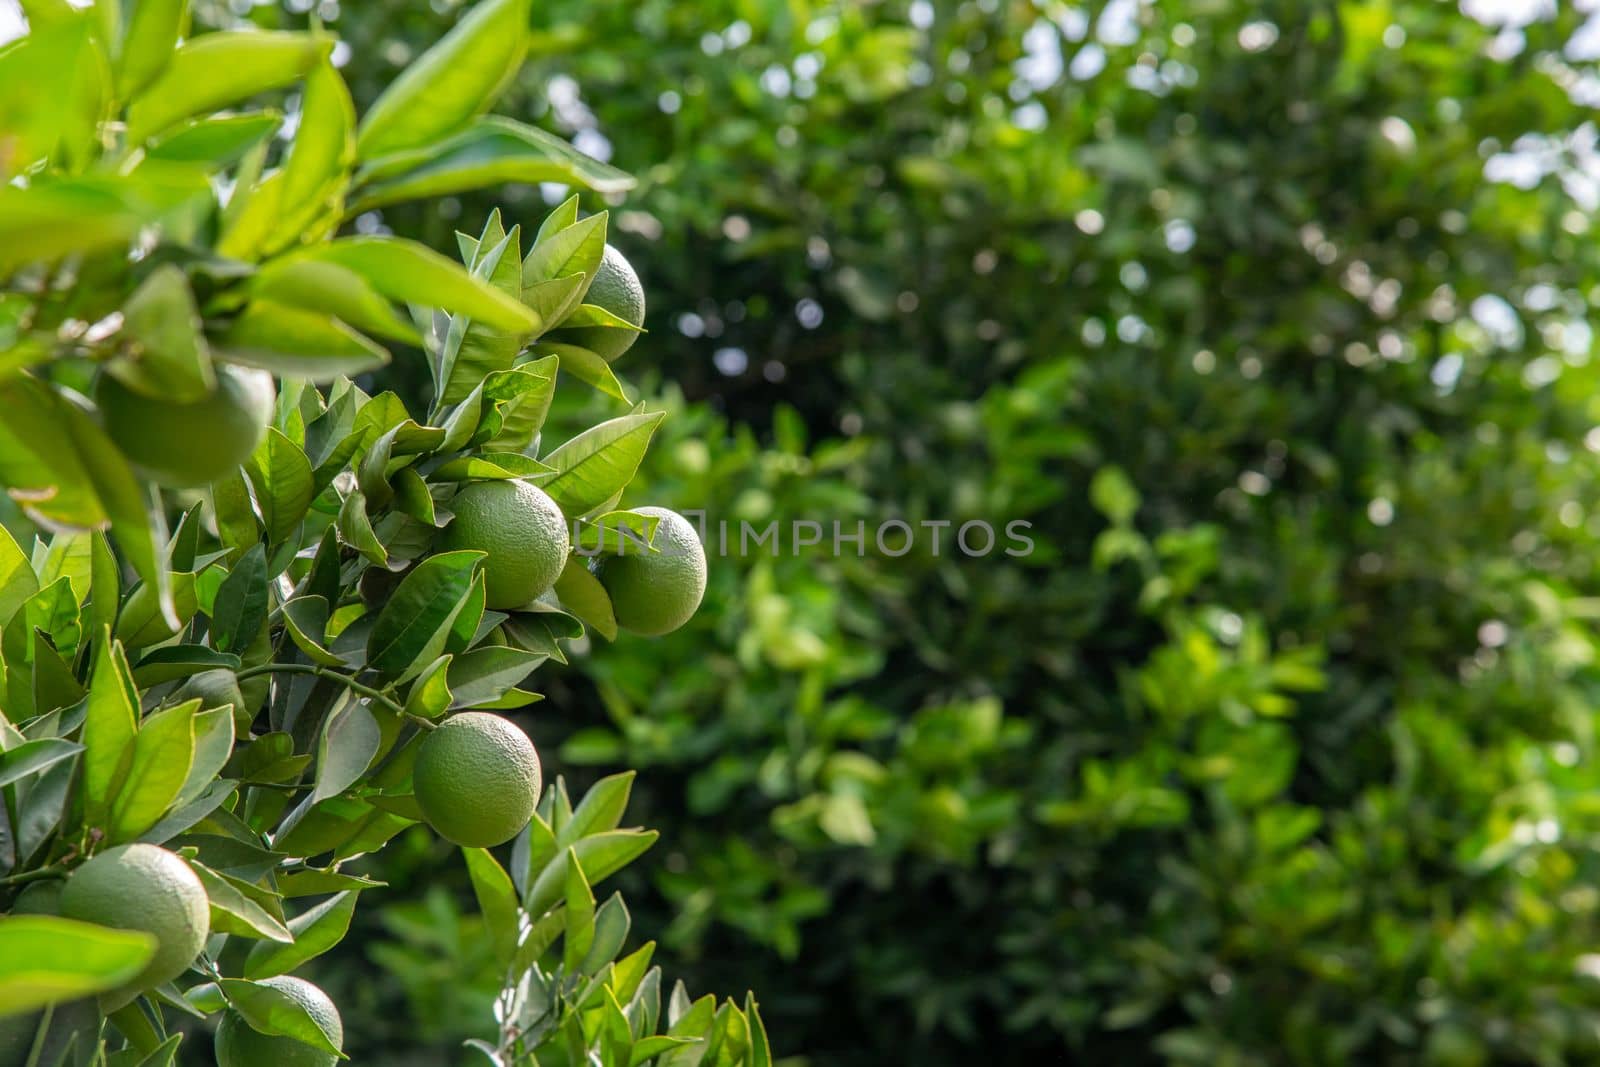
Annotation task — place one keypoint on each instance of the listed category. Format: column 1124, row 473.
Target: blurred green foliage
column 1270, row 318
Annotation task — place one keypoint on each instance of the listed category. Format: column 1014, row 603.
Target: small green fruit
column 239, row 1044
column 477, row 779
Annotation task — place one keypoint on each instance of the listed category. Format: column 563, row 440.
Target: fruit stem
column 334, row 676
column 49, row 871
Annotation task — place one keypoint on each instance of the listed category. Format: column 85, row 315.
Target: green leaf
column 350, row 740
column 46, row 220
column 32, row 757
column 559, row 219
column 577, row 249
column 586, row 366
column 163, row 752
column 232, row 912
column 297, row 343
column 497, row 900
column 213, row 746
column 66, row 474
column 594, row 315
column 154, row 27
column 312, row 882
column 485, row 674
column 1113, row 495
column 234, row 513
column 170, row 357
column 408, row 271
column 601, row 856
column 356, row 529
column 282, row 477
column 597, row 464
column 241, row 604
column 520, row 400
column 332, row 290
column 580, row 915
column 491, row 466
column 213, row 70
column 54, row 91
column 411, row 629
column 306, row 618
column 271, row 1011
column 600, row 810
column 179, row 661
column 109, row 725
column 492, row 151
column 412, row 496
column 617, row 532
column 473, row 349
column 321, row 157
column 760, row 1051
column 105, row 585
column 315, row 932
column 611, row 925
column 581, row 593
column 430, row 694
column 17, row 580
column 555, row 298
column 46, row 960
column 217, row 140
column 455, row 80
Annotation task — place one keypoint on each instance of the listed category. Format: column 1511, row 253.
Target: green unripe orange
column 615, row 288
column 239, row 1044
column 477, row 779
column 654, row 593
column 189, row 444
column 39, row 898
column 144, row 887
column 522, row 532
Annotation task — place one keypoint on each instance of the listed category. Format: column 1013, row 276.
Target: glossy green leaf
column 242, row 601
column 45, row 959
column 581, row 593
column 601, row 856
column 408, row 271
column 298, row 343
column 233, row 912
column 497, row 900
column 411, row 630
column 492, row 151
column 146, row 49
column 214, row 70
column 455, row 80
column 315, row 931
column 217, row 140
column 109, row 726
column 483, row 675
column 594, row 466
column 163, row 752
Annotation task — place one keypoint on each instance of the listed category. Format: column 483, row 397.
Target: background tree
column 1271, row 318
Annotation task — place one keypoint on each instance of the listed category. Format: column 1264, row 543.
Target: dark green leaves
column 315, row 931
column 411, row 630
column 241, row 602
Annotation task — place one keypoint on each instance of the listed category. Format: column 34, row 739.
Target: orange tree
column 242, row 623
